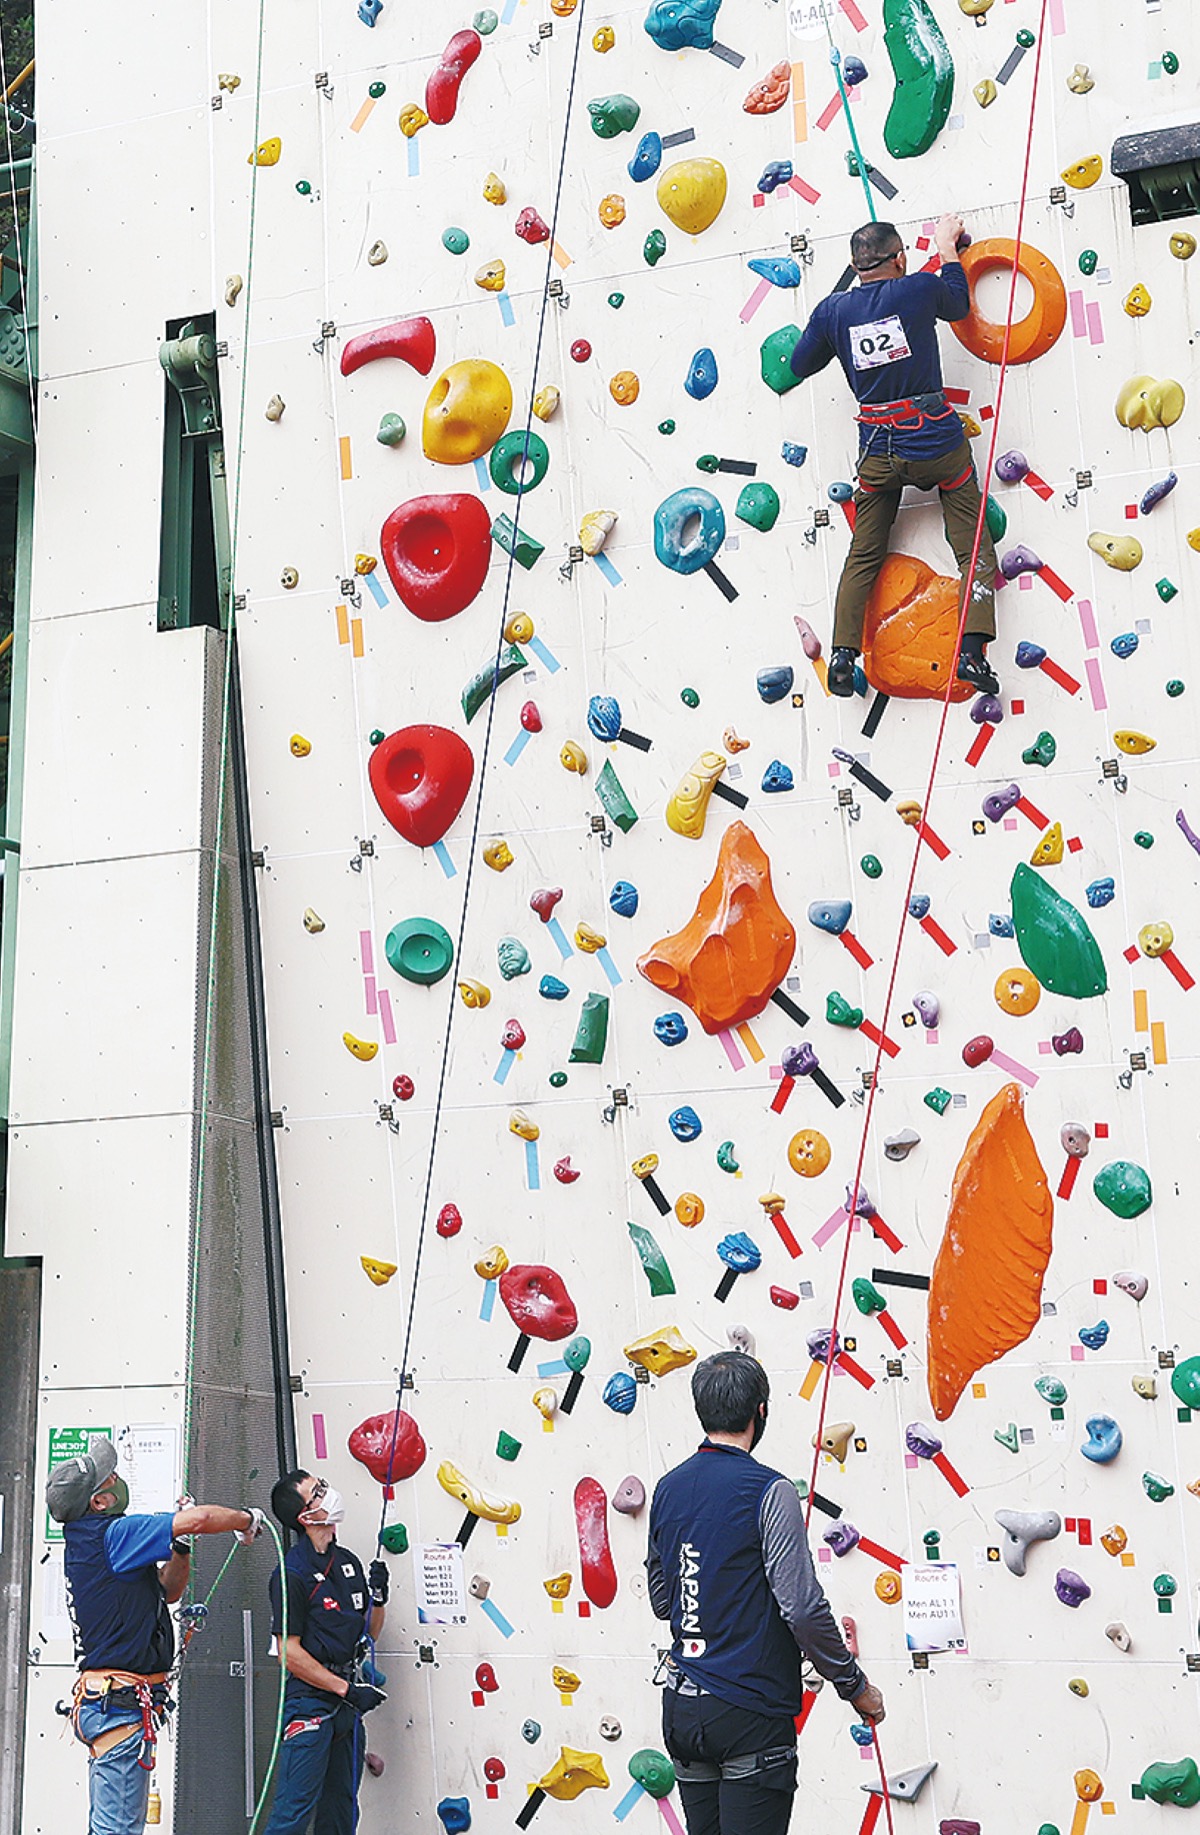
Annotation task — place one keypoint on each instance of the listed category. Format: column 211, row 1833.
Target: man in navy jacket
column 884, row 334
column 729, row 1565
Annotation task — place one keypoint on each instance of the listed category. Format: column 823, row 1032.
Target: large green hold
column 613, row 115
column 1123, row 1188
column 1172, row 1783
column 591, row 1034
column 653, row 1260
column 1053, row 938
column 478, row 691
column 759, row 505
column 924, row 73
column 775, row 359
column 1185, row 1381
column 653, row 1771
column 611, row 793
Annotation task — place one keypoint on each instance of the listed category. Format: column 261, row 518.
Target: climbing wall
column 590, row 998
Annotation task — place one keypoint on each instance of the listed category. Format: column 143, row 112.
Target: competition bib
column 879, row 343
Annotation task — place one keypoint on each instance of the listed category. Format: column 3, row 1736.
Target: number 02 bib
column 879, row 343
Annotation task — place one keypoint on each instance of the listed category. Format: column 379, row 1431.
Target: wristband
column 180, row 1547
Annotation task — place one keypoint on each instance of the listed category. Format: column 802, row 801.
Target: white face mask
column 328, row 1509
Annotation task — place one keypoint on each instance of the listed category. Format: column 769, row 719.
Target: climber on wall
column 884, row 334
column 729, row 1565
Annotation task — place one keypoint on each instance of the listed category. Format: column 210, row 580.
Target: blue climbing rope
column 835, row 58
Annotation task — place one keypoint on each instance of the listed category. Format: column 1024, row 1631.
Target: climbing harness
column 907, row 415
column 121, row 1688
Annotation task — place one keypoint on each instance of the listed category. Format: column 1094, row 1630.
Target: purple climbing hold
column 922, row 1440
column 1011, row 467
column 863, row 1205
column 929, row 1008
column 986, row 710
column 1029, row 656
column 1020, row 560
column 1066, row 1042
column 1001, row 801
column 1071, row 1587
column 1186, row 830
column 854, row 71
column 842, row 1538
column 799, row 1060
column 824, row 1345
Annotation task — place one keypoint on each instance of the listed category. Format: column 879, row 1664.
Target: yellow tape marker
column 343, row 625
column 547, row 1425
column 799, row 105
column 1108, row 1807
column 356, row 637
column 501, row 1531
column 560, row 255
column 821, row 671
column 363, row 116
column 979, row 1392
column 347, row 467
column 568, row 1701
column 556, row 1605
column 808, row 1387
column 752, row 1045
column 1158, row 1042
column 1079, row 1820
column 1141, row 1011
column 1128, row 1558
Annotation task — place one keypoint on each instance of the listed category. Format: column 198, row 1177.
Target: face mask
column 330, row 1506
column 120, row 1497
column 760, row 1427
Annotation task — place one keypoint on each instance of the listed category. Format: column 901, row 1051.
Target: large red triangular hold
column 436, row 551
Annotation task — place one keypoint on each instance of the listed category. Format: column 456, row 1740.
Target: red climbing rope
column 931, row 781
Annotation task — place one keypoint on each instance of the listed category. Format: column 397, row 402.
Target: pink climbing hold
column 412, row 340
column 595, row 1556
column 441, row 91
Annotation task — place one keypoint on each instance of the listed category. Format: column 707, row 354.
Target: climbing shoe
column 840, row 677
column 977, row 671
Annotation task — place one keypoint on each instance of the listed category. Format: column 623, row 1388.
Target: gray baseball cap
column 71, row 1487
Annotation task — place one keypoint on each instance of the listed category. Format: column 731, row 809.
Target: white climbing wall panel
column 144, row 220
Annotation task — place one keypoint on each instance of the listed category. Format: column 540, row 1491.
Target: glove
column 248, row 1537
column 869, row 1704
column 362, row 1697
column 378, row 1580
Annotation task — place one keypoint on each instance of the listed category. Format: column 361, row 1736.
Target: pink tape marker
column 385, row 1015
column 755, row 301
column 731, row 1051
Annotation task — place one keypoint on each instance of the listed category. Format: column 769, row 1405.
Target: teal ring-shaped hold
column 674, row 516
column 508, row 458
column 420, row 950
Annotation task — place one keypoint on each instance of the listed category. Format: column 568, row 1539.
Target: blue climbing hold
column 670, row 1029
column 672, row 517
column 774, row 684
column 454, row 1813
column 647, row 159
column 369, row 11
column 604, row 716
column 840, row 492
column 624, row 898
column 739, row 1252
column 1124, row 645
column 1157, row 492
column 831, row 914
column 780, row 270
column 551, row 988
column 682, row 25
column 702, row 377
column 685, row 1124
column 854, row 72
column 1101, row 892
column 777, row 777
column 1000, row 924
column 1030, row 656
column 793, row 454
column 620, row 1393
column 1103, row 1439
column 777, row 172
column 918, row 905
column 862, row 1735
column 1095, row 1337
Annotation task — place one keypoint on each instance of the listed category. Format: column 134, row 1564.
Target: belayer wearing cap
column 884, row 334
column 122, row 1574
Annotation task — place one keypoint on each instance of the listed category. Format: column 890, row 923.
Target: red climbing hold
column 449, row 1220
column 530, row 227
column 544, row 901
column 485, row 1678
column 513, row 1036
column 413, row 340
column 403, row 1088
column 531, row 718
column 564, row 1172
column 389, row 1445
column 421, row 776
column 581, row 350
column 436, row 551
column 537, row 1301
column 441, row 91
column 595, row 1556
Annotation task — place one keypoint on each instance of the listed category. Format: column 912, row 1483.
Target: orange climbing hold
column 910, row 630
column 986, row 1293
column 1042, row 325
column 726, row 963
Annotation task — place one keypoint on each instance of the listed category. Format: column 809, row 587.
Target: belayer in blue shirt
column 884, row 334
column 729, row 1565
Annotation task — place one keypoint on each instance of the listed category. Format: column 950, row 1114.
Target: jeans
column 700, row 1730
column 320, row 1767
column 118, row 1784
column 882, row 478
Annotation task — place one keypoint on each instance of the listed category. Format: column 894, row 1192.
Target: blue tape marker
column 507, row 315
column 547, row 657
column 488, row 1302
column 557, row 1367
column 501, row 1623
column 482, row 475
column 442, row 855
column 629, row 1801
column 533, row 1172
column 518, row 746
column 610, row 968
column 614, row 579
column 510, row 7
column 556, row 931
column 507, row 1060
column 375, row 589
column 414, row 158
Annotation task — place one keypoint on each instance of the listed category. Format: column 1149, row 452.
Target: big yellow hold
column 491, row 276
column 267, row 153
column 1133, row 743
column 661, row 1352
column 1084, row 173
column 494, row 189
column 362, row 1049
column 688, row 806
column 492, row 1509
column 1183, row 245
column 558, row 1585
column 985, row 93
column 474, row 994
column 378, row 1273
column 492, row 1263
column 1049, row 850
column 1138, row 302
column 588, row 940
column 520, row 1124
column 468, row 409
column 692, row 193
column 572, row 1772
column 1124, row 552
column 888, row 1588
column 412, row 119
column 1146, row 403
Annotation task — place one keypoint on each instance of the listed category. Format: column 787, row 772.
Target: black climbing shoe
column 840, row 676
column 978, row 671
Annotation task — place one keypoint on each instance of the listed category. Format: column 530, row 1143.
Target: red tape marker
column 980, row 744
column 1056, row 585
column 886, row 1234
column 786, row 1086
column 1038, row 486
column 1084, row 1531
column 955, row 1480
column 808, row 1702
column 850, row 513
column 1066, row 1185
column 861, row 1376
column 1170, row 960
column 853, row 15
column 880, row 1038
column 933, row 840
column 805, row 191
column 933, row 929
column 1049, row 667
column 783, row 1231
column 850, row 942
column 892, row 1329
column 1032, row 813
column 871, row 1813
column 879, row 1553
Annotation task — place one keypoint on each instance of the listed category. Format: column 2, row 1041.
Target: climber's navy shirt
column 884, row 335
column 328, row 1606
column 729, row 1565
column 117, row 1603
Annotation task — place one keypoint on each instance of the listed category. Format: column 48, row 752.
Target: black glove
column 362, row 1697
column 378, row 1580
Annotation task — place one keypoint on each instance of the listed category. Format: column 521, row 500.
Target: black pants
column 702, row 1731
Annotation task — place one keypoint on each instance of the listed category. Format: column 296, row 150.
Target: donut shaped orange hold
column 1042, row 325
column 808, row 1153
column 1017, row 991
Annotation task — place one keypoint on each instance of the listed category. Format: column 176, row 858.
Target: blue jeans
column 320, row 1765
column 118, row 1784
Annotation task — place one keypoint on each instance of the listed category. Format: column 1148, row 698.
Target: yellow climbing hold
column 299, row 746
column 365, row 564
column 809, row 1153
column 687, row 807
column 689, row 1209
column 1083, row 174
column 558, row 1585
column 1147, row 403
column 267, row 153
column 378, row 1273
column 519, row 628
column 625, row 388
column 1049, row 850
column 588, row 940
column 494, row 189
column 1089, row 1786
column 1155, row 939
column 546, row 1402
column 523, row 1126
column 974, row 9
column 1193, row 540
column 970, row 425
column 467, row 411
column 1137, row 301
column 595, row 530
column 491, row 276
column 492, row 1263
column 545, row 402
column 909, row 813
column 362, row 1049
column 1080, row 80
column 1183, row 245
column 492, row 1509
column 611, row 210
column 1124, row 552
column 692, row 192
column 474, row 993
column 888, row 1588
column 314, row 923
column 1133, row 743
column 985, row 93
column 661, row 1352
column 573, row 758
column 412, row 119
column 565, row 1680
column 643, row 1168
column 574, row 1771
column 497, row 855
column 604, row 39
column 774, row 1203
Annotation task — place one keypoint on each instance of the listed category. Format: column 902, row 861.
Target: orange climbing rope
column 930, row 785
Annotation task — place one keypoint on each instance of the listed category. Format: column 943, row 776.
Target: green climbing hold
column 775, row 359
column 1047, row 1828
column 1026, row 39
column 591, row 1034
column 616, row 301
column 510, row 456
column 455, row 241
column 1157, row 1489
column 478, row 690
column 839, row 1012
column 613, row 115
column 1123, row 1189
column 420, row 950
column 1053, row 938
column 1165, row 1586
column 375, row 90
column 726, row 1159
column 653, row 1260
column 485, row 23
column 1166, row 590
column 867, row 1297
column 666, row 426
column 872, row 866
column 1088, row 260
column 557, row 1079
column 506, row 1446
column 653, row 1771
column 758, row 504
column 524, row 548
column 614, row 799
column 938, row 1100
column 1008, row 1437
column 1041, row 752
column 709, row 462
column 654, row 248
column 1052, row 1389
column 395, row 1539
column 689, row 697
column 578, row 1353
column 1185, row 1381
column 1143, row 838
column 1172, row 1783
column 924, row 73
column 932, row 1539
column 996, row 518
column 377, row 735
column 1170, row 63
column 1174, row 688
column 391, row 430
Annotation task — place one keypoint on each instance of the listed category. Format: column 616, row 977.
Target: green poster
column 68, row 1443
